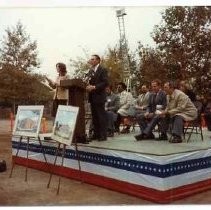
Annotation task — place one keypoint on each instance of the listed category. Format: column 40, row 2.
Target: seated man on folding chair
column 126, row 108
column 111, row 107
column 142, row 101
column 179, row 109
column 148, row 120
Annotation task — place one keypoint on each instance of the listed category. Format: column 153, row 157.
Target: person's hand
column 150, row 115
column 138, row 107
column 146, row 115
column 162, row 113
column 49, row 81
column 89, row 88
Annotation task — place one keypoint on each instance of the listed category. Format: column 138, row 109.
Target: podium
column 77, row 91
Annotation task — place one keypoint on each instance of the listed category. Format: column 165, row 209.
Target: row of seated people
column 152, row 108
column 119, row 107
column 177, row 108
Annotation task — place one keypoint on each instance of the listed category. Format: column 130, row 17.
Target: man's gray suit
column 112, row 106
column 147, row 125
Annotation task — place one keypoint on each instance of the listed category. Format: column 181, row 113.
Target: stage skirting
column 160, row 179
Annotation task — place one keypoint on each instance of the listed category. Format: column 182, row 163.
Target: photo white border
column 73, row 3
column 68, row 109
column 29, row 108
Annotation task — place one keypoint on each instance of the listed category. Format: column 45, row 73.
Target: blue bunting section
column 147, row 168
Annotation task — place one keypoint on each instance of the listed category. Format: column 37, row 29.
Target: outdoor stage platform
column 154, row 170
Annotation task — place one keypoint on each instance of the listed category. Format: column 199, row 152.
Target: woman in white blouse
column 60, row 94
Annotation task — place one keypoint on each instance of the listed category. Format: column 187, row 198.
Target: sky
column 65, row 31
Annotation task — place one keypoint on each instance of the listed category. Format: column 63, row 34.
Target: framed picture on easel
column 64, row 125
column 28, row 120
column 27, row 125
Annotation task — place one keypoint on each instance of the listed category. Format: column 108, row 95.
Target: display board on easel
column 64, row 125
column 27, row 125
column 28, row 120
column 63, row 133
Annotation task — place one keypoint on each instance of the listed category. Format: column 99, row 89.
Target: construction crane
column 120, row 13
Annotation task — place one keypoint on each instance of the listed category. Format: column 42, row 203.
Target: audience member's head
column 144, row 89
column 187, row 89
column 169, row 87
column 121, row 87
column 108, row 89
column 184, row 86
column 156, row 85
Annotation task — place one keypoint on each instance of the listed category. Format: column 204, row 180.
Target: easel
column 27, row 154
column 62, row 163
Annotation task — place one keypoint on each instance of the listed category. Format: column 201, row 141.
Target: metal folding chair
column 195, row 126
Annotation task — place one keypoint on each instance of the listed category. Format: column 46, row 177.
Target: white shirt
column 95, row 68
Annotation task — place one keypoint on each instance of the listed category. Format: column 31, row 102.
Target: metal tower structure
column 120, row 13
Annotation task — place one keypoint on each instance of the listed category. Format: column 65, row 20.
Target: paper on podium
column 158, row 112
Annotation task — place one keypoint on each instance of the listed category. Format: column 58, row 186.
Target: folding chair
column 195, row 126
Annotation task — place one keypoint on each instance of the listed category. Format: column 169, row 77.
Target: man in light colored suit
column 126, row 106
column 142, row 100
column 179, row 109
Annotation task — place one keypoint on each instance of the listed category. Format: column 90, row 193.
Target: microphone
column 88, row 76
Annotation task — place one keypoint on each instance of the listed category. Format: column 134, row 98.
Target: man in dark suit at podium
column 97, row 97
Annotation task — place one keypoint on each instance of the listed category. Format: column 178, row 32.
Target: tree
column 113, row 63
column 17, row 49
column 183, row 37
column 18, row 56
column 80, row 67
column 151, row 65
column 19, row 87
column 111, row 60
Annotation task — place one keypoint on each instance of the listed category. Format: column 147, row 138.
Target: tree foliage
column 111, row 60
column 18, row 50
column 19, row 87
column 18, row 56
column 183, row 38
column 151, row 65
column 113, row 63
column 80, row 67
